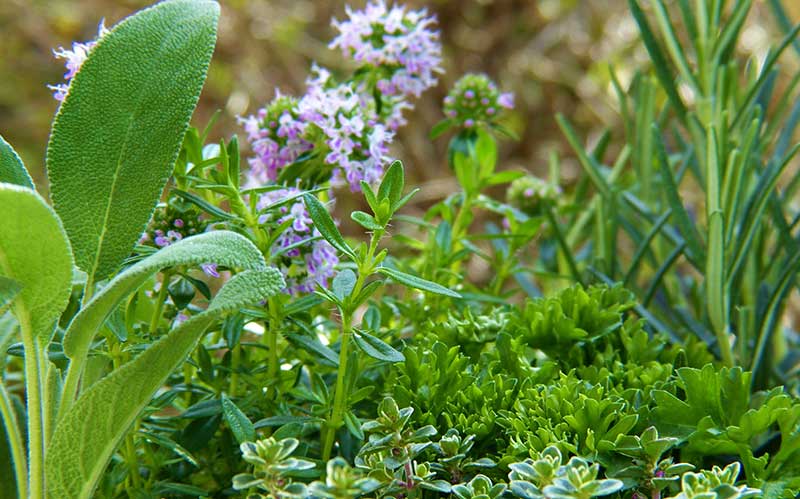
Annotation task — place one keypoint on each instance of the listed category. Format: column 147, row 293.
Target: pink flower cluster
column 399, row 42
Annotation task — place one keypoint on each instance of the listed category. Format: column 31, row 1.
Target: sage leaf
column 241, row 427
column 221, row 247
column 417, row 282
column 119, row 130
column 35, row 254
column 12, row 170
column 87, row 435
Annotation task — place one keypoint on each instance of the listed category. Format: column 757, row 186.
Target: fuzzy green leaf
column 87, row 435
column 222, row 247
column 35, row 254
column 119, row 131
column 12, row 170
column 417, row 282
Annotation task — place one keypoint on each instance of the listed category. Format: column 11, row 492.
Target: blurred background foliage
column 553, row 54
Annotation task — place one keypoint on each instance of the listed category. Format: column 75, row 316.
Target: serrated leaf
column 417, row 282
column 240, row 425
column 87, row 435
column 34, row 253
column 325, row 225
column 12, row 170
column 377, row 348
column 120, row 128
column 222, row 247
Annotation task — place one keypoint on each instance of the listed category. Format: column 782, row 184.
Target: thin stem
column 365, row 268
column 460, row 226
column 337, row 414
column 9, row 418
column 160, row 300
column 272, row 332
column 33, row 387
column 69, row 391
column 236, row 356
column 132, row 461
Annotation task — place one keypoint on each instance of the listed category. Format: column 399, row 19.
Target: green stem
column 33, row 387
column 9, row 418
column 337, row 414
column 272, row 331
column 460, row 226
column 365, row 268
column 132, row 460
column 236, row 356
column 160, row 300
column 69, row 391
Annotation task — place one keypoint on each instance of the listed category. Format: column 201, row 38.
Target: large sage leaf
column 12, row 170
column 35, row 255
column 222, row 247
column 119, row 131
column 86, row 437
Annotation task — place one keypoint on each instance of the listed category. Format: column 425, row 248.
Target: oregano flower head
column 475, row 99
column 277, row 138
column 357, row 142
column 528, row 193
column 398, row 42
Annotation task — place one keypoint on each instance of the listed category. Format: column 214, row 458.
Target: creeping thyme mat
column 193, row 316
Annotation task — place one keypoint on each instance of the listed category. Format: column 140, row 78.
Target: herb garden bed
column 185, row 317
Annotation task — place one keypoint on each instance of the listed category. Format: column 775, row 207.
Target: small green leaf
column 12, row 170
column 88, row 434
column 343, row 284
column 417, row 282
column 120, row 129
column 486, row 153
column 241, row 427
column 353, row 425
column 439, row 128
column 325, row 225
column 393, row 183
column 377, row 348
column 365, row 220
